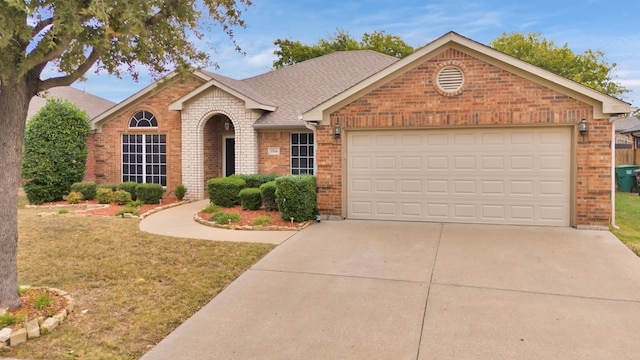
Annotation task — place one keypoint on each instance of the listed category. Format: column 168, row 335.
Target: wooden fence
column 627, row 157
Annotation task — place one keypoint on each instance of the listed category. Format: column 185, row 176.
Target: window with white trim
column 143, row 119
column 144, row 158
column 302, row 154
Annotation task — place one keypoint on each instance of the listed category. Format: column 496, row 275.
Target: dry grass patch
column 135, row 287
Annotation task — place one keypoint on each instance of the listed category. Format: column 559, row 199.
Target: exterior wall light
column 336, row 129
column 583, row 127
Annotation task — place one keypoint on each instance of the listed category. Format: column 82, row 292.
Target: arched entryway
column 218, row 147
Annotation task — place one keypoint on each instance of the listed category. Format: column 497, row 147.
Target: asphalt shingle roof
column 299, row 87
column 89, row 103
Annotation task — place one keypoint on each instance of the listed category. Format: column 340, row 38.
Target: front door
column 229, row 156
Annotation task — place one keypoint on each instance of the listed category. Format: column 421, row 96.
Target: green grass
column 131, row 288
column 628, row 219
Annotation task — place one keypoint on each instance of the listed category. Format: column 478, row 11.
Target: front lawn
column 131, row 288
column 628, row 219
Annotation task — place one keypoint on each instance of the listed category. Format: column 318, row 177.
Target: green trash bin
column 626, row 177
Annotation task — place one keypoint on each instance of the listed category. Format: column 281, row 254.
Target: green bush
column 121, row 197
column 130, row 187
column 55, row 151
column 255, row 180
column 261, row 220
column 225, row 191
column 74, row 197
column 149, row 193
column 268, row 194
column 112, row 187
column 87, row 189
column 225, row 218
column 135, row 203
column 250, row 199
column 104, row 195
column 181, row 191
column 296, row 197
column 212, row 209
column 127, row 210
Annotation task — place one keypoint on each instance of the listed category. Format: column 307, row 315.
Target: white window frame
column 309, row 147
column 144, row 164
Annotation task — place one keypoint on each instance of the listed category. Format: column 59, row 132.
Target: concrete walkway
column 394, row 290
column 178, row 221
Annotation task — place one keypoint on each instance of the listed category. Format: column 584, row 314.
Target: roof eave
column 250, row 103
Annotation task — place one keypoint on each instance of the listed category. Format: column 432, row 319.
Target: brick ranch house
column 455, row 132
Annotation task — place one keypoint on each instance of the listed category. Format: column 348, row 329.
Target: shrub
column 181, row 191
column 74, row 197
column 225, row 191
column 63, row 211
column 261, row 220
column 127, row 210
column 268, row 194
column 212, row 208
column 55, row 151
column 296, row 197
column 121, row 197
column 87, row 189
column 225, row 218
column 130, row 187
column 255, row 180
column 104, row 195
column 250, row 199
column 136, row 203
column 112, row 187
column 149, row 193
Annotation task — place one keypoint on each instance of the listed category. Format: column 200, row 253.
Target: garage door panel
column 480, row 176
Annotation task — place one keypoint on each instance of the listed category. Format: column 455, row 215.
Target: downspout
column 311, row 125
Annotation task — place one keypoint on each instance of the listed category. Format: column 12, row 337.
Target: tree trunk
column 14, row 104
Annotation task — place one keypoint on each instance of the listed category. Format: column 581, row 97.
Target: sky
column 609, row 26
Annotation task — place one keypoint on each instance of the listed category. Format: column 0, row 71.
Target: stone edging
column 300, row 226
column 39, row 326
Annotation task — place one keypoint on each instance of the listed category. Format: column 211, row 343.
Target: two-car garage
column 474, row 175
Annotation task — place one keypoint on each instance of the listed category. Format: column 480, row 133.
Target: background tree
column 72, row 36
column 55, row 151
column 588, row 68
column 290, row 52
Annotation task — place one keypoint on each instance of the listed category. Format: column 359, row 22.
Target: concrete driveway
column 395, row 290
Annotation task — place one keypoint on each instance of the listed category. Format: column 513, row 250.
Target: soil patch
column 248, row 217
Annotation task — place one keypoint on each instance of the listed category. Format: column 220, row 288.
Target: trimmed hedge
column 87, row 189
column 181, row 191
column 255, row 180
column 104, row 195
column 121, row 197
column 112, row 187
column 225, row 191
column 268, row 194
column 296, row 197
column 130, row 187
column 250, row 199
column 149, row 193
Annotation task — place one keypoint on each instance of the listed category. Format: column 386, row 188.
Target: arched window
column 143, row 119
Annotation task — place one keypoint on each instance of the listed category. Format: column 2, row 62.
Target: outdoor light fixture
column 226, row 125
column 336, row 130
column 583, row 127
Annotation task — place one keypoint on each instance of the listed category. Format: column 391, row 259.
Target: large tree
column 290, row 52
column 72, row 37
column 588, row 68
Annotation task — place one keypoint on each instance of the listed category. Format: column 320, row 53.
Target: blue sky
column 587, row 24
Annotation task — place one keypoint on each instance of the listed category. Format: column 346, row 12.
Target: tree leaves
column 588, row 68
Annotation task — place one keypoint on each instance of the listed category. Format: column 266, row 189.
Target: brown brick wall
column 490, row 97
column 90, row 173
column 108, row 141
column 274, row 164
column 213, row 134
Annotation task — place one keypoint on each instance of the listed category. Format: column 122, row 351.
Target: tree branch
column 71, row 78
column 32, row 60
column 40, row 26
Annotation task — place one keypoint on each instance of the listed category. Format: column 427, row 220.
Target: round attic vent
column 450, row 79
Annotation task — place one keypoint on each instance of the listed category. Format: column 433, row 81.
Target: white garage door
column 493, row 176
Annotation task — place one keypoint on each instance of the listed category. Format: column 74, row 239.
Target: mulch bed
column 247, row 216
column 85, row 207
